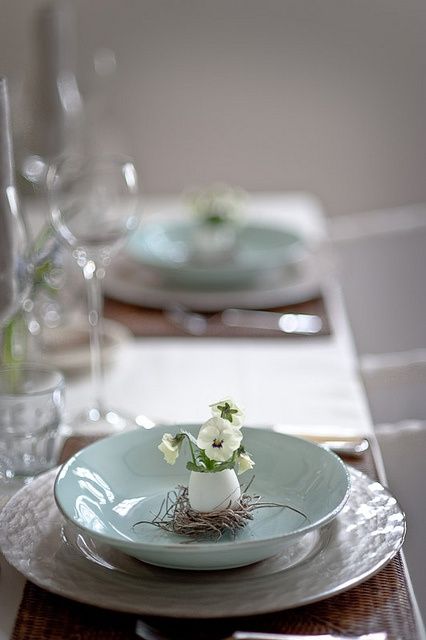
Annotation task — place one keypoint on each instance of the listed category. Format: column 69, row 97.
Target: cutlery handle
column 292, row 323
column 253, row 635
column 250, row 635
column 345, row 446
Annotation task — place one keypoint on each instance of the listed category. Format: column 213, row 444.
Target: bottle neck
column 7, row 169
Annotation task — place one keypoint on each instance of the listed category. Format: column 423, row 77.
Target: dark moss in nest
column 177, row 516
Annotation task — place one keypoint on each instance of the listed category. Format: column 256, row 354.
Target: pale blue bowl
column 259, row 251
column 111, row 485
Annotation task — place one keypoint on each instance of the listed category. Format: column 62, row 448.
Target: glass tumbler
column 31, row 409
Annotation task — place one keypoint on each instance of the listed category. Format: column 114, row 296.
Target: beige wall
column 323, row 95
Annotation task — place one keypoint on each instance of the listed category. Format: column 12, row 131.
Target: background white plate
column 130, row 282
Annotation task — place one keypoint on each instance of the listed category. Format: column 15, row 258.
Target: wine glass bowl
column 93, row 204
column 94, row 207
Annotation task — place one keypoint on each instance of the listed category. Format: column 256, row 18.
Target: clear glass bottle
column 15, row 264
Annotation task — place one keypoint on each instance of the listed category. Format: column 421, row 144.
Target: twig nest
column 177, row 516
column 213, row 492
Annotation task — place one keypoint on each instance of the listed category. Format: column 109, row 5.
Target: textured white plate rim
column 139, row 608
column 195, row 547
column 345, row 586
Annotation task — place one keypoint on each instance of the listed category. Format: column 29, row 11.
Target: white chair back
column 381, row 265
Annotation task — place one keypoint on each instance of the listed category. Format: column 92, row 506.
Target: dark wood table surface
column 145, row 322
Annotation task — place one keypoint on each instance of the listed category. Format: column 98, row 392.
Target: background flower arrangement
column 216, row 212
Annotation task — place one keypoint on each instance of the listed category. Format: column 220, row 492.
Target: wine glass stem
column 95, row 313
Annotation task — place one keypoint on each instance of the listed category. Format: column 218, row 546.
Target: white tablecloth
column 297, row 382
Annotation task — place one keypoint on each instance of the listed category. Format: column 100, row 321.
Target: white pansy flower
column 219, row 439
column 244, row 463
column 228, row 410
column 170, row 447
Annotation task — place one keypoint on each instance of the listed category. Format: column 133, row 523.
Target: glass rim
column 58, row 382
column 86, row 164
column 83, row 160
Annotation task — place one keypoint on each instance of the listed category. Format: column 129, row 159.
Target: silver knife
column 250, row 635
column 292, row 323
column 147, row 632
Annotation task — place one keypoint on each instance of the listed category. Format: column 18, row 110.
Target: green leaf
column 205, row 460
column 226, row 412
column 216, row 219
column 221, row 466
column 191, row 466
column 15, row 331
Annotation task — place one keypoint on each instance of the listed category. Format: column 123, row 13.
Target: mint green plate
column 111, row 485
column 259, row 251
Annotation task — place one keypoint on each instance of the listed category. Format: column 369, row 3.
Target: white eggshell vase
column 213, row 491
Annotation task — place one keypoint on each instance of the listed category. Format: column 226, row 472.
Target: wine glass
column 15, row 262
column 15, row 285
column 94, row 206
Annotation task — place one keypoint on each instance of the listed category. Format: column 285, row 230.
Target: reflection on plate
column 300, row 550
column 111, row 485
column 366, row 534
column 170, row 248
column 67, row 347
column 131, row 282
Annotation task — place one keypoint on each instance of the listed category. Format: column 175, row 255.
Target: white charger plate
column 363, row 538
column 111, row 485
column 133, row 283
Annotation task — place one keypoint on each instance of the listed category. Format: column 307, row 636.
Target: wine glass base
column 93, row 421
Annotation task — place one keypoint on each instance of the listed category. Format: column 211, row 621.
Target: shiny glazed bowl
column 117, row 482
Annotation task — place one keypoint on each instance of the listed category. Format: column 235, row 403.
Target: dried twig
column 176, row 516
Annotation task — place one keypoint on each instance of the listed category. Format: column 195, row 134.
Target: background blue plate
column 169, row 249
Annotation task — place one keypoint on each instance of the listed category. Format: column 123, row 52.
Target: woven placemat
column 144, row 322
column 382, row 603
